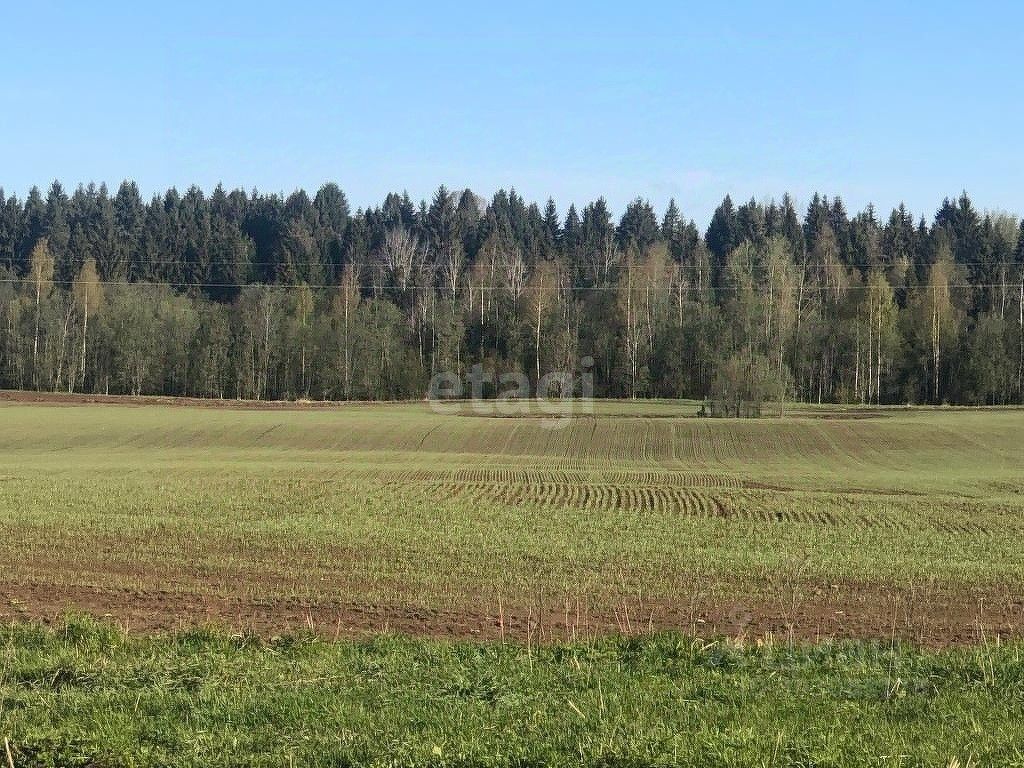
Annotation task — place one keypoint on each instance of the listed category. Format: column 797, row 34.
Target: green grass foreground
column 88, row 694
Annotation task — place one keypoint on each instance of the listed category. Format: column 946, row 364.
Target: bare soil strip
column 64, row 398
column 934, row 618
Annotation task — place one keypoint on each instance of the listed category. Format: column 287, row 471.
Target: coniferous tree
column 552, row 230
column 723, row 232
column 838, row 307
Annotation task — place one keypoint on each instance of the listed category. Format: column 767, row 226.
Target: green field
column 85, row 695
column 531, row 576
column 367, row 516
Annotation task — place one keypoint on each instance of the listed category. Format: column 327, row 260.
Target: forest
column 235, row 294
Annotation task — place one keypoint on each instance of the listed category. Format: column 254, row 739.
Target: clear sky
column 877, row 102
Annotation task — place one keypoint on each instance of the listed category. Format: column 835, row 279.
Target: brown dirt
column 929, row 617
column 63, row 398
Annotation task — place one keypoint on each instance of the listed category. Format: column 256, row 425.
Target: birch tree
column 41, row 266
column 540, row 294
column 88, row 293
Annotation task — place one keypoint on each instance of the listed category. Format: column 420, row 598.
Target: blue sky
column 875, row 102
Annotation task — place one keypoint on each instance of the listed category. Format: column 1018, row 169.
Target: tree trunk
column 935, row 347
column 85, row 333
column 878, row 362
column 540, row 294
column 35, row 338
column 346, row 375
column 63, row 352
column 856, row 366
column 1020, row 363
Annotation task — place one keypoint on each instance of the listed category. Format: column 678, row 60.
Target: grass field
column 353, row 557
column 88, row 695
column 358, row 518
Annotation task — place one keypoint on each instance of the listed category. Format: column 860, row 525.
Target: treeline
column 261, row 296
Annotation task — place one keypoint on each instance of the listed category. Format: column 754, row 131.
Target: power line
column 492, row 288
column 882, row 262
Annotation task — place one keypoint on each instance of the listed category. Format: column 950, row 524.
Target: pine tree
column 58, row 233
column 331, row 215
column 440, row 221
column 467, row 217
column 670, row 222
column 10, row 233
column 723, row 232
column 638, row 228
column 33, row 227
column 571, row 232
column 751, row 225
column 722, row 237
column 552, row 230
